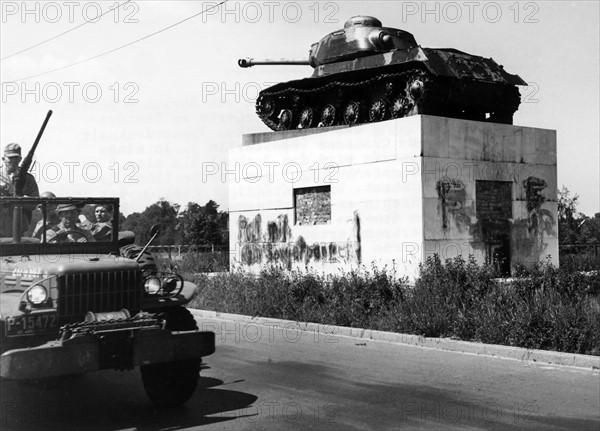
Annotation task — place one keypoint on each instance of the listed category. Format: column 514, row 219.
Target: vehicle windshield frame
column 24, row 245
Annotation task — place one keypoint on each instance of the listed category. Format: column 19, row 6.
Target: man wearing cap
column 68, row 230
column 8, row 171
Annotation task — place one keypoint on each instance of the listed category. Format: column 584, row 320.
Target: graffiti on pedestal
column 491, row 227
column 531, row 233
column 249, row 231
column 277, row 244
column 452, row 205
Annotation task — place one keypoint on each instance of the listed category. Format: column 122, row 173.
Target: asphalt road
column 280, row 378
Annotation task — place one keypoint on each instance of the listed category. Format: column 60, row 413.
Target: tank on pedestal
column 368, row 73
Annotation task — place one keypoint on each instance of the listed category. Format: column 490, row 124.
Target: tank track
column 329, row 86
column 402, row 94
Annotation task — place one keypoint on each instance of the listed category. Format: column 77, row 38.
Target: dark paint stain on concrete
column 357, row 238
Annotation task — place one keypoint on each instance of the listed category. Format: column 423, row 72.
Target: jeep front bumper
column 115, row 350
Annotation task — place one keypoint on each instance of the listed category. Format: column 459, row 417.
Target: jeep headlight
column 152, row 285
column 172, row 283
column 40, row 294
column 37, row 295
column 163, row 284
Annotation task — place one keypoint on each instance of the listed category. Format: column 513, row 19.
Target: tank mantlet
column 367, row 73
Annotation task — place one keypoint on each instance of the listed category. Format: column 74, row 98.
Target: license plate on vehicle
column 30, row 324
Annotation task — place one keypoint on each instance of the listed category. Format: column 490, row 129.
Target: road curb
column 519, row 353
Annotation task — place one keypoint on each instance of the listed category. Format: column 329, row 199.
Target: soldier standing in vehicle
column 8, row 173
column 68, row 229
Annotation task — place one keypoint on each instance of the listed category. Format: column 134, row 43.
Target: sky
column 154, row 119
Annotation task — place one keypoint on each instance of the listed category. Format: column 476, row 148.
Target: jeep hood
column 45, row 266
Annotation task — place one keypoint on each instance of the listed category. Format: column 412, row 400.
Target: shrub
column 194, row 262
column 544, row 308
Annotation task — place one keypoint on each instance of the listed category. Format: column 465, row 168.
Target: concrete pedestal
column 394, row 193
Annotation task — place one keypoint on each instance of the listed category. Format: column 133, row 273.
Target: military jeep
column 71, row 304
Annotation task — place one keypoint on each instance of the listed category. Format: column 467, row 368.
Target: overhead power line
column 64, row 32
column 122, row 46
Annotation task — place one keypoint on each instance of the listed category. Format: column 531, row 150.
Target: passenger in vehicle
column 102, row 229
column 68, row 229
column 52, row 218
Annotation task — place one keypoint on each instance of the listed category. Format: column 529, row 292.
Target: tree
column 196, row 225
column 163, row 213
column 573, row 226
column 204, row 225
column 590, row 229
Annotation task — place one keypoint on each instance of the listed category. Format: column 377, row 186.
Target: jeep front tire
column 171, row 384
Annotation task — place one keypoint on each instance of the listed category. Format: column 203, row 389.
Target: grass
column 544, row 308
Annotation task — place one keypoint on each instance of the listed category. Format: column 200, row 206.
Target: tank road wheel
column 265, row 106
column 401, row 106
column 416, row 89
column 307, row 118
column 352, row 113
column 328, row 115
column 378, row 110
column 171, row 384
column 286, row 120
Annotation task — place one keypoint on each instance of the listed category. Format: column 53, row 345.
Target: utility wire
column 64, row 32
column 123, row 46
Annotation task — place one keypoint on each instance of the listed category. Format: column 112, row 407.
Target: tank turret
column 367, row 73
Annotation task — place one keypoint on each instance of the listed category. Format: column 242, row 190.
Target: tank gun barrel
column 249, row 62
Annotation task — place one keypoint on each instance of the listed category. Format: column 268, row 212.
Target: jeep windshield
column 58, row 225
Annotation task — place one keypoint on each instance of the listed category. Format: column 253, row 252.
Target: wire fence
column 177, row 252
column 589, row 251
